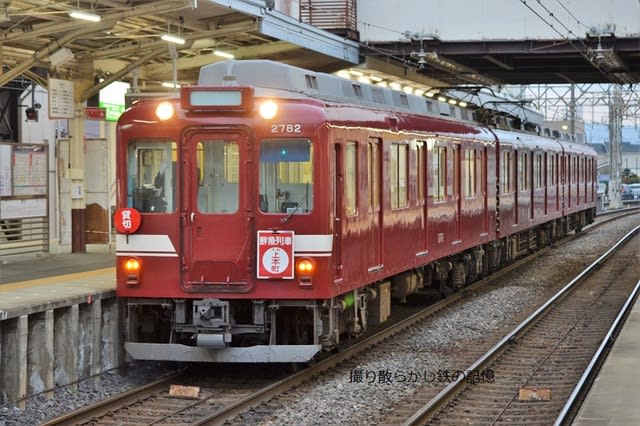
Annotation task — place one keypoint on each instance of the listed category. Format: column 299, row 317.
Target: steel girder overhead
column 498, row 42
column 594, row 60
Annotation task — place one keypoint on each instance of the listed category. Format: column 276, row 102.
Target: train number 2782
column 286, row 128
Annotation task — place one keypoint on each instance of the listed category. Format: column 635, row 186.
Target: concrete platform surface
column 31, row 267
column 613, row 398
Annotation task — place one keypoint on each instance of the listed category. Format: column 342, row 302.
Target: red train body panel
column 267, row 239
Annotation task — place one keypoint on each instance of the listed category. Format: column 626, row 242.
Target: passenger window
column 470, row 173
column 350, row 194
column 398, row 175
column 439, row 173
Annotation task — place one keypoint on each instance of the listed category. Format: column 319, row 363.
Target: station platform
column 613, row 398
column 34, row 282
column 64, row 305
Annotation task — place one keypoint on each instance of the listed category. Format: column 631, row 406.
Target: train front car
column 223, row 243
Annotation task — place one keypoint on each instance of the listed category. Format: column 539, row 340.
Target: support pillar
column 14, row 361
column 66, row 345
column 77, row 155
column 615, row 142
column 111, row 343
column 78, row 200
column 40, row 354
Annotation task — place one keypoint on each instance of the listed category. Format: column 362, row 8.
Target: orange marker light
column 305, row 266
column 132, row 268
column 132, row 265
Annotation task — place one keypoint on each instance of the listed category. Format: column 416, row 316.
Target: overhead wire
column 566, row 38
column 566, row 9
column 553, row 15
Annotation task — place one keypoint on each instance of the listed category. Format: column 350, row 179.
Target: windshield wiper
column 305, row 199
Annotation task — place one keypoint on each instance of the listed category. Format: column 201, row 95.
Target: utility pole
column 615, row 141
column 572, row 112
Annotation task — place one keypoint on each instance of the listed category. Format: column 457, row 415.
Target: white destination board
column 61, row 103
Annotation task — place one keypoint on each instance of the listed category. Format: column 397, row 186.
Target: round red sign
column 127, row 220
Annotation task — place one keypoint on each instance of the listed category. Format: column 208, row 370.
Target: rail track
column 221, row 400
column 536, row 366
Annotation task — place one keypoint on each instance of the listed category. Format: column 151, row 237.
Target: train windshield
column 286, row 176
column 151, row 175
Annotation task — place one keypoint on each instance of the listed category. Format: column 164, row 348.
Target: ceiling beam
column 48, row 49
column 112, row 18
column 124, row 49
column 161, row 71
column 117, row 75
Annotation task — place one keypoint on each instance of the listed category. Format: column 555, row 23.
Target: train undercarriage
column 214, row 330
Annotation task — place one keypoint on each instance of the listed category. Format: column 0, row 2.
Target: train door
column 569, row 181
column 484, row 189
column 554, row 176
column 531, row 170
column 215, row 212
column 421, row 190
column 338, row 187
column 516, row 192
column 579, row 178
column 457, row 193
column 374, row 167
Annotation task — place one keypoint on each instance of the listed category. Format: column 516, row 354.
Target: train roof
column 521, row 140
column 280, row 78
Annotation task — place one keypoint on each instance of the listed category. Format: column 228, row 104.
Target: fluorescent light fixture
column 172, row 38
column 463, row 104
column 85, row 16
column 223, row 54
column 170, row 85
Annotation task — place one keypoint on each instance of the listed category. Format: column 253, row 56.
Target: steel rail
column 89, row 412
column 594, row 365
column 455, row 387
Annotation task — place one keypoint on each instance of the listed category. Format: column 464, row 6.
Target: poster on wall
column 29, row 170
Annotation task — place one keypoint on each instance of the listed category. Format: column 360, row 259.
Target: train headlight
column 132, row 268
column 268, row 110
column 305, row 268
column 164, row 111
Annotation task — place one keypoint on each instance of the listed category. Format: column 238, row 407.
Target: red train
column 269, row 211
